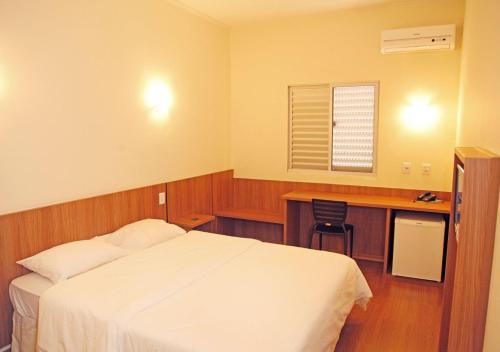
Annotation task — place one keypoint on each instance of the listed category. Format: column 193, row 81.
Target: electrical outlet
column 426, row 169
column 161, row 198
column 406, row 168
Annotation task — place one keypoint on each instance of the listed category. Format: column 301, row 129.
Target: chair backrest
column 328, row 211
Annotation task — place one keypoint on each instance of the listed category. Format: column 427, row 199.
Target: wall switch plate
column 161, row 198
column 406, row 168
column 426, row 169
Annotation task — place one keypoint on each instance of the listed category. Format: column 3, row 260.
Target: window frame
column 376, row 85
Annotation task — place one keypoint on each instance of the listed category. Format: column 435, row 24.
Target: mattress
column 205, row 292
column 25, row 292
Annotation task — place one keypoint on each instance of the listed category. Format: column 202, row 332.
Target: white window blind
column 353, row 128
column 332, row 127
column 310, row 122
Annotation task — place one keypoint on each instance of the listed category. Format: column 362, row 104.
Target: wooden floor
column 404, row 315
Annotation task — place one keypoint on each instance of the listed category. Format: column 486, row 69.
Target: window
column 333, row 127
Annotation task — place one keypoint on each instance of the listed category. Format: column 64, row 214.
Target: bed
column 25, row 292
column 197, row 292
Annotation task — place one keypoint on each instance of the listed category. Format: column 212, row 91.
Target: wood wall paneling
column 222, row 186
column 263, row 231
column 224, row 226
column 189, row 196
column 29, row 232
column 260, row 194
column 266, row 195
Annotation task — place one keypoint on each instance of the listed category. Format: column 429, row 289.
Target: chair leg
column 320, row 241
column 311, row 239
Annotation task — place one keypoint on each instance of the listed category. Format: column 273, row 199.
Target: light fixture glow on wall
column 158, row 98
column 419, row 114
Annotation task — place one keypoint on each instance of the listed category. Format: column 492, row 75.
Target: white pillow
column 69, row 259
column 143, row 234
column 102, row 237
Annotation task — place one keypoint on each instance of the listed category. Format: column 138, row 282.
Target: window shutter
column 310, row 124
column 353, row 131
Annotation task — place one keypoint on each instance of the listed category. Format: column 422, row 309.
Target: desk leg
column 387, row 236
column 291, row 224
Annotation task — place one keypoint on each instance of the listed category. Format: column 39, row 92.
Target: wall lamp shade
column 158, row 98
column 419, row 114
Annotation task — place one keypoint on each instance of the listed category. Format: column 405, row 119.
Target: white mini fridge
column 418, row 245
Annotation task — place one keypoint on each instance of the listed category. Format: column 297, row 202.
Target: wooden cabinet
column 470, row 250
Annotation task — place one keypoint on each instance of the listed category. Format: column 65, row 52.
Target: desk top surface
column 371, row 201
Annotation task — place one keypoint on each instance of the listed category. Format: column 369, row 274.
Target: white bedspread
column 205, row 292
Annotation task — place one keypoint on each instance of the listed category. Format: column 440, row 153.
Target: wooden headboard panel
column 189, row 196
column 26, row 233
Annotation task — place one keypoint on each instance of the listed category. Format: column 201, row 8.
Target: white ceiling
column 233, row 12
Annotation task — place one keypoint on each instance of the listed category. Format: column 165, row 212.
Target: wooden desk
column 371, row 215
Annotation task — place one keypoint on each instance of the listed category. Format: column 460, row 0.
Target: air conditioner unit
column 418, row 39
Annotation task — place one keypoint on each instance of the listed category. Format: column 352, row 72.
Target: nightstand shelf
column 195, row 221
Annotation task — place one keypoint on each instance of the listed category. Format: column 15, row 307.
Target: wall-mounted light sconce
column 158, row 98
column 419, row 114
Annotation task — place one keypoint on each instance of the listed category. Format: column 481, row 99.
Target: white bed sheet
column 25, row 292
column 205, row 292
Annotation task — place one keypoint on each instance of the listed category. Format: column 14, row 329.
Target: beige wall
column 344, row 46
column 72, row 118
column 479, row 117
